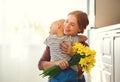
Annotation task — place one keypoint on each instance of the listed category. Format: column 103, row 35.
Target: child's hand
column 83, row 38
column 63, row 64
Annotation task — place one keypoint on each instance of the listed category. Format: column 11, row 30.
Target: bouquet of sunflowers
column 83, row 56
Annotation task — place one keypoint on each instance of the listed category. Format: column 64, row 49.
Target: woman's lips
column 67, row 30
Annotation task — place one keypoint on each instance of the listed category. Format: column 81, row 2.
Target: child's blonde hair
column 59, row 22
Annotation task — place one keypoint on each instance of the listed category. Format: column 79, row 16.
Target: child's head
column 57, row 27
column 76, row 22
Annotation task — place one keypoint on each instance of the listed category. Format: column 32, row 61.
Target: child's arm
column 83, row 38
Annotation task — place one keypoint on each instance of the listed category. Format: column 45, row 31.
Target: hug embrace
column 59, row 47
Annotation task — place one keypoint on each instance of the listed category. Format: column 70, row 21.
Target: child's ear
column 58, row 26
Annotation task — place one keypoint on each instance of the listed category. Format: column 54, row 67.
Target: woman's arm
column 45, row 63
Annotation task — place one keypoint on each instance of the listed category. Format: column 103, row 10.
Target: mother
column 76, row 22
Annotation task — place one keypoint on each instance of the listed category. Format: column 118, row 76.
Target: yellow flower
column 87, row 60
column 87, row 63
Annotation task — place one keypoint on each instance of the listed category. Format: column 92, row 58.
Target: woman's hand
column 62, row 63
column 66, row 48
column 80, row 72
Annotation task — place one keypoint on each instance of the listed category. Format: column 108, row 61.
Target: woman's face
column 71, row 26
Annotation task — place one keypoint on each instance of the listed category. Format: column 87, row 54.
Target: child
column 56, row 37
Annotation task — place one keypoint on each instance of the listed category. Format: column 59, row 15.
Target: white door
column 117, row 58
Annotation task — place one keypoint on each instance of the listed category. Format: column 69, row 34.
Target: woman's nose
column 66, row 26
